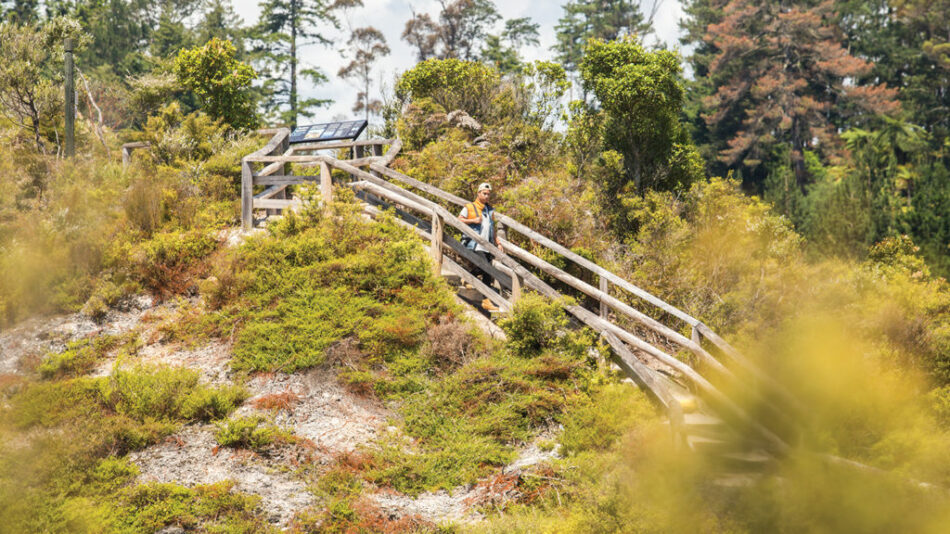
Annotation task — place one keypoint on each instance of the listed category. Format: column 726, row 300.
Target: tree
column 422, row 33
column 285, row 27
column 451, row 84
column 606, row 20
column 169, row 36
column 20, row 11
column 462, row 32
column 119, row 34
column 780, row 72
column 367, row 45
column 220, row 21
column 31, row 75
column 641, row 98
column 925, row 76
column 221, row 82
column 501, row 51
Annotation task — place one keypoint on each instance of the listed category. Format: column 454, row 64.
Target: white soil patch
column 334, row 419
column 210, row 360
column 36, row 337
column 462, row 504
column 190, row 457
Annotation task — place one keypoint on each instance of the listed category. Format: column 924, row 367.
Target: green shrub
column 207, row 508
column 169, row 262
column 81, row 356
column 537, row 325
column 469, row 422
column 220, row 81
column 166, row 393
column 207, row 404
column 179, row 140
column 598, row 422
column 251, row 432
column 319, row 280
column 452, row 84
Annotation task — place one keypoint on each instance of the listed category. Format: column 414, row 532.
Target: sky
column 390, row 16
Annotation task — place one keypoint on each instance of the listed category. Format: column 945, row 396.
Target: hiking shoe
column 490, row 307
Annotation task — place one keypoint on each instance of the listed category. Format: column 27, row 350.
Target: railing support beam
column 326, row 185
column 436, row 246
column 247, row 196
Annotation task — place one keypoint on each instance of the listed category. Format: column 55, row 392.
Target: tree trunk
column 293, row 64
column 366, row 95
column 35, row 123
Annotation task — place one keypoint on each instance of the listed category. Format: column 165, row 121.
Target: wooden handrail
column 703, row 386
column 509, row 272
column 694, row 344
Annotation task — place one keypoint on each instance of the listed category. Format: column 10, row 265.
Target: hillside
column 173, row 358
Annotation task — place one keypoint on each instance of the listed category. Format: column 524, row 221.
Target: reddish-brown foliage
column 451, row 344
column 780, row 69
column 277, row 401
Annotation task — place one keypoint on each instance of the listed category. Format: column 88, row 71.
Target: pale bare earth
column 328, row 417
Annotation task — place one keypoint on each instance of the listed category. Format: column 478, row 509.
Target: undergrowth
column 82, row 355
column 61, row 466
column 467, row 423
column 251, row 432
column 316, row 281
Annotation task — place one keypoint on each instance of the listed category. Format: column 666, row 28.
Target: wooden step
column 708, row 445
column 747, row 462
column 701, row 424
column 453, row 279
column 471, row 295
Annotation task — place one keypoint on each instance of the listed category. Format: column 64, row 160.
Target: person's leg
column 482, row 274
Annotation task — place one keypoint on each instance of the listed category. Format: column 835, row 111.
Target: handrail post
column 326, row 184
column 436, row 246
column 247, row 195
column 517, row 283
column 285, row 168
column 605, row 287
column 70, row 93
column 696, row 336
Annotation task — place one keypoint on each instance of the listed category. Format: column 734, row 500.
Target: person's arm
column 466, row 220
column 497, row 240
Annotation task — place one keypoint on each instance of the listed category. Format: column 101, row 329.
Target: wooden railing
column 421, row 206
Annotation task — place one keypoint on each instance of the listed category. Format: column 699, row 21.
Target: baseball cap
column 483, row 185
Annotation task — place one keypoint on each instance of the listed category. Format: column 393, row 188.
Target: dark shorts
column 484, row 276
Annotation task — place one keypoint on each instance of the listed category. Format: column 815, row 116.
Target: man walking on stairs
column 480, row 216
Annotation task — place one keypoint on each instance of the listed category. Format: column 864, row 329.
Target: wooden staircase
column 702, row 418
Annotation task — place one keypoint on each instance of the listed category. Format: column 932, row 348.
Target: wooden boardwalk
column 692, row 373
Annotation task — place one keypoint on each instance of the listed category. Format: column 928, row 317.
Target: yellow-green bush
column 81, row 356
column 318, row 280
column 60, row 466
column 251, row 432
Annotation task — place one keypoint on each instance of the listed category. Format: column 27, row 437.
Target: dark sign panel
column 328, row 131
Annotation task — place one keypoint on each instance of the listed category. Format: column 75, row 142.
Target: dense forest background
column 786, row 181
column 834, row 112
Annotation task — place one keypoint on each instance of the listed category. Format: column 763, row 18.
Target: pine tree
column 606, row 20
column 221, row 22
column 462, row 28
column 780, row 71
column 367, row 46
column 285, row 27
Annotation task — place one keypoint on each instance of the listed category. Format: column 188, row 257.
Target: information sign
column 328, row 131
